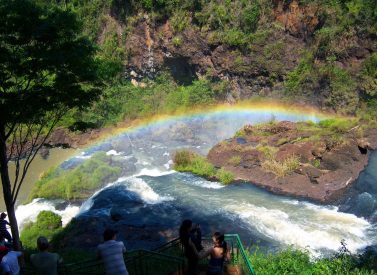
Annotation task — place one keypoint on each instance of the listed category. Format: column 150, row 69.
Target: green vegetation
column 47, row 67
column 224, row 176
column 187, row 161
column 316, row 163
column 235, row 160
column 283, row 167
column 79, row 182
column 47, row 224
column 293, row 261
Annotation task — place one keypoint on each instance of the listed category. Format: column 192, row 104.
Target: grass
column 77, row 183
column 294, row 261
column 235, row 160
column 268, row 151
column 187, row 161
column 316, row 163
column 281, row 168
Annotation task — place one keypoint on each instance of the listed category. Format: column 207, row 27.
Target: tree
column 46, row 68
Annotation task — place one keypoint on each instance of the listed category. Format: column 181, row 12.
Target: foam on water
column 144, row 191
column 207, row 184
column 154, row 172
column 29, row 212
column 113, row 153
column 305, row 233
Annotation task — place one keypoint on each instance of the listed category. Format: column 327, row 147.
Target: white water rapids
column 158, row 194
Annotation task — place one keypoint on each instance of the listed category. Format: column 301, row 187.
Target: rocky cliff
column 296, row 159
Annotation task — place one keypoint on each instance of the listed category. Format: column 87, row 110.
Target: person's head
column 42, row 243
column 109, row 234
column 185, row 229
column 3, row 215
column 218, row 238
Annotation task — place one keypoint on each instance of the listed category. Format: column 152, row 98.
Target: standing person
column 190, row 250
column 111, row 252
column 3, row 227
column 219, row 253
column 44, row 262
column 9, row 262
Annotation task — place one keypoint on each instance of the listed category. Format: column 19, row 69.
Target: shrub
column 186, row 161
column 235, row 160
column 224, row 176
column 182, row 158
column 250, row 17
column 180, row 21
column 177, row 41
column 281, row 168
column 77, row 183
column 295, row 261
column 339, row 126
column 268, row 151
column 47, row 224
column 316, row 163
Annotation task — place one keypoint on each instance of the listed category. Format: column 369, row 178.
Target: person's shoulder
column 15, row 253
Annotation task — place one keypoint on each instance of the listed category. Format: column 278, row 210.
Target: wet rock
column 365, row 205
column 44, row 152
column 322, row 173
column 241, row 140
column 115, row 215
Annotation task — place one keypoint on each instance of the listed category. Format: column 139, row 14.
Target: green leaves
column 45, row 65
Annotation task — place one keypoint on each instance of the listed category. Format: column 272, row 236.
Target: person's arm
column 5, row 268
column 59, row 259
column 123, row 248
column 205, row 254
column 192, row 246
column 227, row 256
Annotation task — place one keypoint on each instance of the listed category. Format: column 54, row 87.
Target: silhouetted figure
column 191, row 240
column 111, row 252
column 44, row 262
column 3, row 228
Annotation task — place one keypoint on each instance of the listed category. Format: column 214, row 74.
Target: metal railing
column 166, row 259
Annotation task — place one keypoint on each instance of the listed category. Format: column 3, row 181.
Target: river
column 153, row 194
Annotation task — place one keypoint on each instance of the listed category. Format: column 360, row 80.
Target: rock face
column 295, row 159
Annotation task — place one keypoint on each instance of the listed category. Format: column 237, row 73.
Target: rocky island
column 313, row 161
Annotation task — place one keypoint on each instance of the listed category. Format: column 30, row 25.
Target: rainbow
column 265, row 108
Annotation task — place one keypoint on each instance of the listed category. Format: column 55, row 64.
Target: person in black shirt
column 190, row 237
column 3, row 228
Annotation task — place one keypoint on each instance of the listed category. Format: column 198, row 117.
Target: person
column 44, row 262
column 190, row 245
column 3, row 227
column 219, row 253
column 3, row 252
column 111, row 252
column 2, row 241
column 9, row 261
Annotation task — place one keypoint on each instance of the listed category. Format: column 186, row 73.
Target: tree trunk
column 7, row 189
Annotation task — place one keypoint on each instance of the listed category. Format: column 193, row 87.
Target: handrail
column 240, row 251
column 142, row 258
